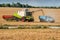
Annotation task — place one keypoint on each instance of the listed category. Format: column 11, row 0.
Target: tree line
column 22, row 5
column 16, row 5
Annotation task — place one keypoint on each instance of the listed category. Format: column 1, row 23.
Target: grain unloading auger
column 45, row 18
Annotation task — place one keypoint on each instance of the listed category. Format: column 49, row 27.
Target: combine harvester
column 23, row 16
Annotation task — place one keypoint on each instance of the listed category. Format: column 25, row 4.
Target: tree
column 13, row 5
column 8, row 5
column 0, row 5
column 18, row 4
column 3, row 5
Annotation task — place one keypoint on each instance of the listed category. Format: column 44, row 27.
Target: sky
column 35, row 2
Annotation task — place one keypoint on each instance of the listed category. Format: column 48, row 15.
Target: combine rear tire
column 31, row 20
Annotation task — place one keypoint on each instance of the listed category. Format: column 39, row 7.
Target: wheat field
column 29, row 34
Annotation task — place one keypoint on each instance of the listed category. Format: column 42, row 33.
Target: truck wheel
column 23, row 19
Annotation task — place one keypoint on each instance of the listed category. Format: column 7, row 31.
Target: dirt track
column 55, row 13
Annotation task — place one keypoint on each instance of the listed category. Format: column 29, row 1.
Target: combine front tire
column 23, row 19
